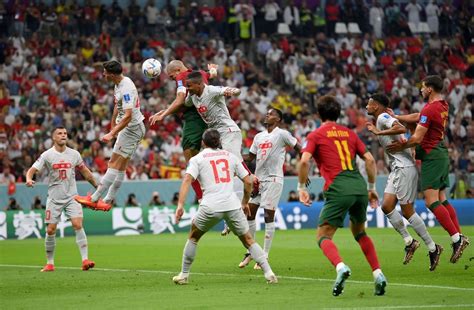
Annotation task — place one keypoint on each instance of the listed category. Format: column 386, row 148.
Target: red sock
column 442, row 215
column 197, row 189
column 368, row 248
column 330, row 250
column 452, row 214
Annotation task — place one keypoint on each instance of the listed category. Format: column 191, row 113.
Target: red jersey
column 334, row 147
column 434, row 117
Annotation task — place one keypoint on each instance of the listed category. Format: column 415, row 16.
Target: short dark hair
column 195, row 77
column 435, row 82
column 113, row 67
column 211, row 138
column 328, row 108
column 382, row 99
column 56, row 128
column 279, row 112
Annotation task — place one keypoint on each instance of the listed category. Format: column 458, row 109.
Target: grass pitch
column 135, row 272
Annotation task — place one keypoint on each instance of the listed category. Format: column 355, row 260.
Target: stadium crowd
column 280, row 55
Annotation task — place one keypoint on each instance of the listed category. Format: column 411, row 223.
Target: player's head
column 211, row 138
column 194, row 82
column 431, row 84
column 377, row 104
column 329, row 108
column 112, row 70
column 274, row 116
column 174, row 68
column 59, row 136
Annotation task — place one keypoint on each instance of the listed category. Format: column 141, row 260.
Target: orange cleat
column 87, row 264
column 103, row 206
column 48, row 268
column 86, row 201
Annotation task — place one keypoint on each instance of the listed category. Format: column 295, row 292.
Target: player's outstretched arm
column 396, row 129
column 414, row 140
column 231, row 91
column 87, row 174
column 303, row 171
column 118, row 128
column 29, row 176
column 177, row 103
column 183, row 193
column 371, row 170
column 212, row 70
column 408, row 118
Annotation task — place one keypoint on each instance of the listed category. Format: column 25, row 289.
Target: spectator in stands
column 132, row 201
column 12, row 205
column 156, row 200
column 293, row 196
column 37, row 205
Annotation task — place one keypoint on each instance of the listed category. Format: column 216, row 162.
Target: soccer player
column 215, row 168
column 431, row 150
column 127, row 126
column 194, row 126
column 269, row 148
column 61, row 161
column 402, row 182
column 334, row 147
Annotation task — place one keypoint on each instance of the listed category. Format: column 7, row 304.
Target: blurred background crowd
column 280, row 53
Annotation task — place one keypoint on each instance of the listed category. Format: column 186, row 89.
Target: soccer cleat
column 180, row 279
column 86, row 201
column 410, row 250
column 48, row 268
column 342, row 276
column 87, row 264
column 271, row 279
column 225, row 231
column 380, row 284
column 434, row 256
column 458, row 248
column 103, row 206
column 245, row 261
column 257, row 267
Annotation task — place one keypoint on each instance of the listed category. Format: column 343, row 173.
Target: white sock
column 397, row 222
column 189, row 253
column 376, row 273
column 259, row 256
column 81, row 241
column 50, row 245
column 339, row 266
column 269, row 233
column 419, row 226
column 455, row 237
column 113, row 189
column 105, row 183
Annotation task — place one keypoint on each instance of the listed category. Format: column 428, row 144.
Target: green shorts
column 336, row 207
column 435, row 174
column 192, row 134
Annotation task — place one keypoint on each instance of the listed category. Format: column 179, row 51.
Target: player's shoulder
column 127, row 82
column 72, row 151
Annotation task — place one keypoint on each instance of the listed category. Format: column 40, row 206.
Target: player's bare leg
column 252, row 229
column 50, row 246
column 269, row 216
column 81, row 241
column 366, row 245
column 189, row 253
column 259, row 256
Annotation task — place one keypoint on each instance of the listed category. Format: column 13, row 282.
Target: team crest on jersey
column 423, row 119
column 386, row 116
column 266, row 145
column 202, row 109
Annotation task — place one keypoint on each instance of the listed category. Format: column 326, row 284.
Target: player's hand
column 30, row 183
column 178, row 214
column 107, row 138
column 373, row 199
column 231, row 92
column 390, row 112
column 158, row 117
column 246, row 209
column 395, row 146
column 304, row 197
column 372, row 128
column 212, row 70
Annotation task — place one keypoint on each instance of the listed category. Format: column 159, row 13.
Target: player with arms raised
column 61, row 161
column 127, row 126
column 402, row 181
column 269, row 148
column 214, row 168
column 431, row 150
column 334, row 148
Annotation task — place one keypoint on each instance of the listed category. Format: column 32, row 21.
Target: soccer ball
column 151, row 68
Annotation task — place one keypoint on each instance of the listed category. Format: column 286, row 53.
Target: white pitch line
column 252, row 276
column 408, row 307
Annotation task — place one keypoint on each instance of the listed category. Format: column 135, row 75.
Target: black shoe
column 410, row 250
column 434, row 256
column 458, row 248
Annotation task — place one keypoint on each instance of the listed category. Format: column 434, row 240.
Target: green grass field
column 135, row 272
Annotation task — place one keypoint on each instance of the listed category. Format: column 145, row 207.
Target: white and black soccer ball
column 151, row 68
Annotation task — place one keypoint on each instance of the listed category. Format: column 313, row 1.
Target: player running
column 431, row 150
column 334, row 148
column 214, row 168
column 402, row 182
column 269, row 148
column 127, row 126
column 61, row 161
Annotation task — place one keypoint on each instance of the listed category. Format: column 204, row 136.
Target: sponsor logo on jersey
column 386, row 116
column 180, row 83
column 423, row 119
column 62, row 166
column 126, row 97
column 265, row 145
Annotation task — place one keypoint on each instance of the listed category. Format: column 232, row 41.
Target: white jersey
column 126, row 97
column 213, row 109
column 215, row 170
column 270, row 151
column 61, row 173
column 399, row 159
